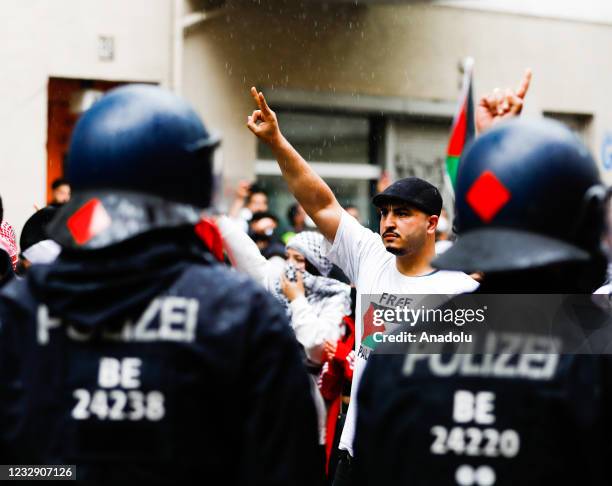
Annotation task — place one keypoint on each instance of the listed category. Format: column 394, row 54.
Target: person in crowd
column 443, row 233
column 249, row 199
column 8, row 240
column 297, row 221
column 394, row 262
column 60, row 192
column 315, row 303
column 9, row 255
column 6, row 267
column 335, row 384
column 263, row 228
column 35, row 242
column 136, row 355
column 521, row 421
column 606, row 289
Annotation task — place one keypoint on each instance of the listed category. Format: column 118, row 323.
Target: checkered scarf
column 8, row 240
column 309, row 244
column 317, row 288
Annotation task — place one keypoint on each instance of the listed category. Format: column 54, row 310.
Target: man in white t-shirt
column 384, row 269
column 396, row 261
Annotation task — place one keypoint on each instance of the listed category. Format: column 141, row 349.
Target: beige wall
column 393, row 50
column 39, row 39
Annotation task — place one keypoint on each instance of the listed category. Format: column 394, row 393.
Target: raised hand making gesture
column 501, row 105
column 263, row 122
column 309, row 189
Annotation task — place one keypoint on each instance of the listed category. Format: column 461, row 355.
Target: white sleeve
column 243, row 252
column 311, row 330
column 352, row 244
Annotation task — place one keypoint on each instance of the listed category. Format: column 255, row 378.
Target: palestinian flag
column 463, row 128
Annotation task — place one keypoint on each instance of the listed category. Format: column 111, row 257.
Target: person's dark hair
column 291, row 212
column 59, row 182
column 255, row 189
column 263, row 214
column 35, row 228
column 1, row 211
column 275, row 248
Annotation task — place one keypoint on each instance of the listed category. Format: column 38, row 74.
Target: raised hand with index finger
column 263, row 122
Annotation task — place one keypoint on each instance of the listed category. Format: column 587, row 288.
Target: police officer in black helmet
column 136, row 356
column 529, row 215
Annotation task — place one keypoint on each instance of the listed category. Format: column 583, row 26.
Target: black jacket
column 149, row 362
column 523, row 418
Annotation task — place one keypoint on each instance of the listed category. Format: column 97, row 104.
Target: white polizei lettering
column 439, row 368
column 501, row 368
column 122, row 334
column 535, row 362
column 512, row 346
column 177, row 319
column 470, row 367
column 530, row 357
column 191, row 320
column 141, row 333
column 44, row 323
column 76, row 335
column 486, row 367
column 547, row 371
column 410, row 362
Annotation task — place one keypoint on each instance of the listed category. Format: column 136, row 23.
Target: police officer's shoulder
column 223, row 292
column 16, row 292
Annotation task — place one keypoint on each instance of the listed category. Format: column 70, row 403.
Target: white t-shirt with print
column 362, row 255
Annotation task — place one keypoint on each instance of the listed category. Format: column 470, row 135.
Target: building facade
column 360, row 87
column 370, row 86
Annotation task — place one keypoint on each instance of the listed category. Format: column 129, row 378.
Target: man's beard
column 397, row 251
column 411, row 246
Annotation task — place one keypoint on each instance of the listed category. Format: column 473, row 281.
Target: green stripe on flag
column 452, row 164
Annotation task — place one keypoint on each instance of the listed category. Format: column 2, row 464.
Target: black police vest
column 205, row 383
column 512, row 418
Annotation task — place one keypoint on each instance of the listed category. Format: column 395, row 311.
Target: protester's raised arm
column 309, row 189
column 501, row 105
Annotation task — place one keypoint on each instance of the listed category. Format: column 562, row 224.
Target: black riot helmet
column 140, row 159
column 528, row 196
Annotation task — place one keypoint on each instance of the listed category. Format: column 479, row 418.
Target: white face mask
column 443, row 225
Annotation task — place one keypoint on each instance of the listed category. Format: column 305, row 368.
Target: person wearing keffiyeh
column 8, row 240
column 315, row 303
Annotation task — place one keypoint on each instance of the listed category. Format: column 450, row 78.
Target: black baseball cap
column 414, row 191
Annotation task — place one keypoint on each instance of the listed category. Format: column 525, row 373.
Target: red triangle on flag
column 458, row 131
